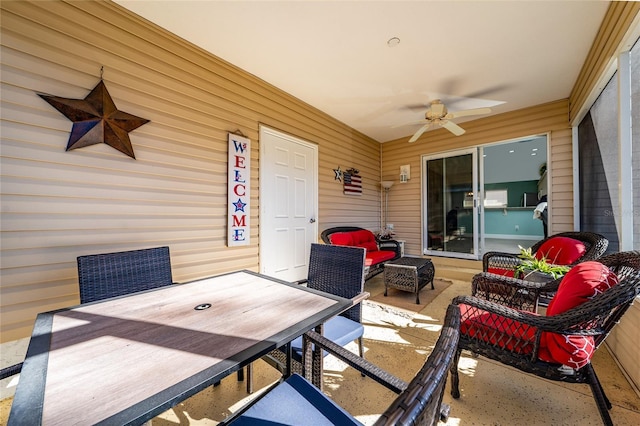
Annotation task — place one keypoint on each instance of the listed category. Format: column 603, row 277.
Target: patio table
column 127, row 359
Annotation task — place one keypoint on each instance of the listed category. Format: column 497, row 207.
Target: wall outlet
column 390, row 226
column 517, row 228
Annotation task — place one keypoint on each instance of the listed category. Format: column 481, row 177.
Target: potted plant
column 538, row 270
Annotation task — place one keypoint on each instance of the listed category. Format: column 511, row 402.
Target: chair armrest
column 386, row 379
column 497, row 259
column 389, row 245
column 358, row 298
column 581, row 320
column 11, row 370
column 513, row 292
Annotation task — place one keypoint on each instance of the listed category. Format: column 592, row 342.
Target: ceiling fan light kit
column 438, row 116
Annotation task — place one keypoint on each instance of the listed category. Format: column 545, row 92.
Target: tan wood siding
column 57, row 205
column 405, row 199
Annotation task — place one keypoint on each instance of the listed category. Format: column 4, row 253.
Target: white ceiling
column 334, row 55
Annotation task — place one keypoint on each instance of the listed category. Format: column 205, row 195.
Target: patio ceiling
column 335, row 55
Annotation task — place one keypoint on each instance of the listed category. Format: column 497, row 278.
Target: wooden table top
column 127, row 359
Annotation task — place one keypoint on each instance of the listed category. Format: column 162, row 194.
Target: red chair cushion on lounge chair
column 498, row 330
column 341, row 239
column 561, row 250
column 501, row 271
column 375, row 257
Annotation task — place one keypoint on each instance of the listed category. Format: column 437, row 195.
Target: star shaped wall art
column 97, row 120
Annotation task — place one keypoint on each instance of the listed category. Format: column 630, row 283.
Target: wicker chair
column 114, row 274
column 522, row 294
column 296, row 401
column 375, row 266
column 498, row 288
column 519, row 339
column 595, row 244
column 338, row 270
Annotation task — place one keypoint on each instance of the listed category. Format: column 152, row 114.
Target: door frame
column 424, row 208
column 265, row 191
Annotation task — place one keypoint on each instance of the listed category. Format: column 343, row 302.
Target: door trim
column 263, row 189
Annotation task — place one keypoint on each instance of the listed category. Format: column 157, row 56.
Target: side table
column 409, row 274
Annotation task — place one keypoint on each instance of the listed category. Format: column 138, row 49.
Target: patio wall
column 57, row 205
column 405, row 210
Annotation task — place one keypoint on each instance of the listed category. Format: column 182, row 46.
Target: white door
column 288, row 204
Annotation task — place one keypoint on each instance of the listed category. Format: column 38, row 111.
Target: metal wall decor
column 96, row 119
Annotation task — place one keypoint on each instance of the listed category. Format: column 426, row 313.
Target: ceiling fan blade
column 468, row 112
column 419, row 133
column 453, row 127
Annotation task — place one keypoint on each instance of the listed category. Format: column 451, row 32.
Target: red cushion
column 366, row 239
column 561, row 250
column 583, row 282
column 375, row 257
column 341, row 239
column 497, row 330
column 501, row 271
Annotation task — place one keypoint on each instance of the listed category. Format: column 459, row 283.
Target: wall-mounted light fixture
column 405, row 173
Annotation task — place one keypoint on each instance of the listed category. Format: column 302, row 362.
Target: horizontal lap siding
column 405, row 199
column 57, row 205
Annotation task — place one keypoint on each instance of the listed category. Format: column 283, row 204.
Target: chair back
column 626, row 266
column 338, row 270
column 420, row 402
column 105, row 275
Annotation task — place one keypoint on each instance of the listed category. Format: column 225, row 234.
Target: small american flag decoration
column 352, row 182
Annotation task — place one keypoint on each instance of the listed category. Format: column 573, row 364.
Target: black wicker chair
column 595, row 244
column 492, row 286
column 338, row 270
column 513, row 337
column 521, row 294
column 114, row 274
column 384, row 245
column 297, row 401
column 11, row 370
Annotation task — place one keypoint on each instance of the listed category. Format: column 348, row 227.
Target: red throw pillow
column 341, row 239
column 583, row 282
column 561, row 250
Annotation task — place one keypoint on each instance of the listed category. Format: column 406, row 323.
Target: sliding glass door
column 450, row 208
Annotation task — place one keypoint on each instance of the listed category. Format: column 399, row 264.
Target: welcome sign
column 238, row 196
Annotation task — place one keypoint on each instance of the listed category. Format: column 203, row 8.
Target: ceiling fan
column 437, row 115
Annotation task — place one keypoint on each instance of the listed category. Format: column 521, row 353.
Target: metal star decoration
column 97, row 120
column 338, row 174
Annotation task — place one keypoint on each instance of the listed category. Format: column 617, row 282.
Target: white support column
column 625, row 150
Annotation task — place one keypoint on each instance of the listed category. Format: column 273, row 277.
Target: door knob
column 312, row 220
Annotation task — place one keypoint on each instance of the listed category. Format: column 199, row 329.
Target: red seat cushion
column 341, row 239
column 497, row 330
column 561, row 250
column 583, row 282
column 501, row 271
column 375, row 257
